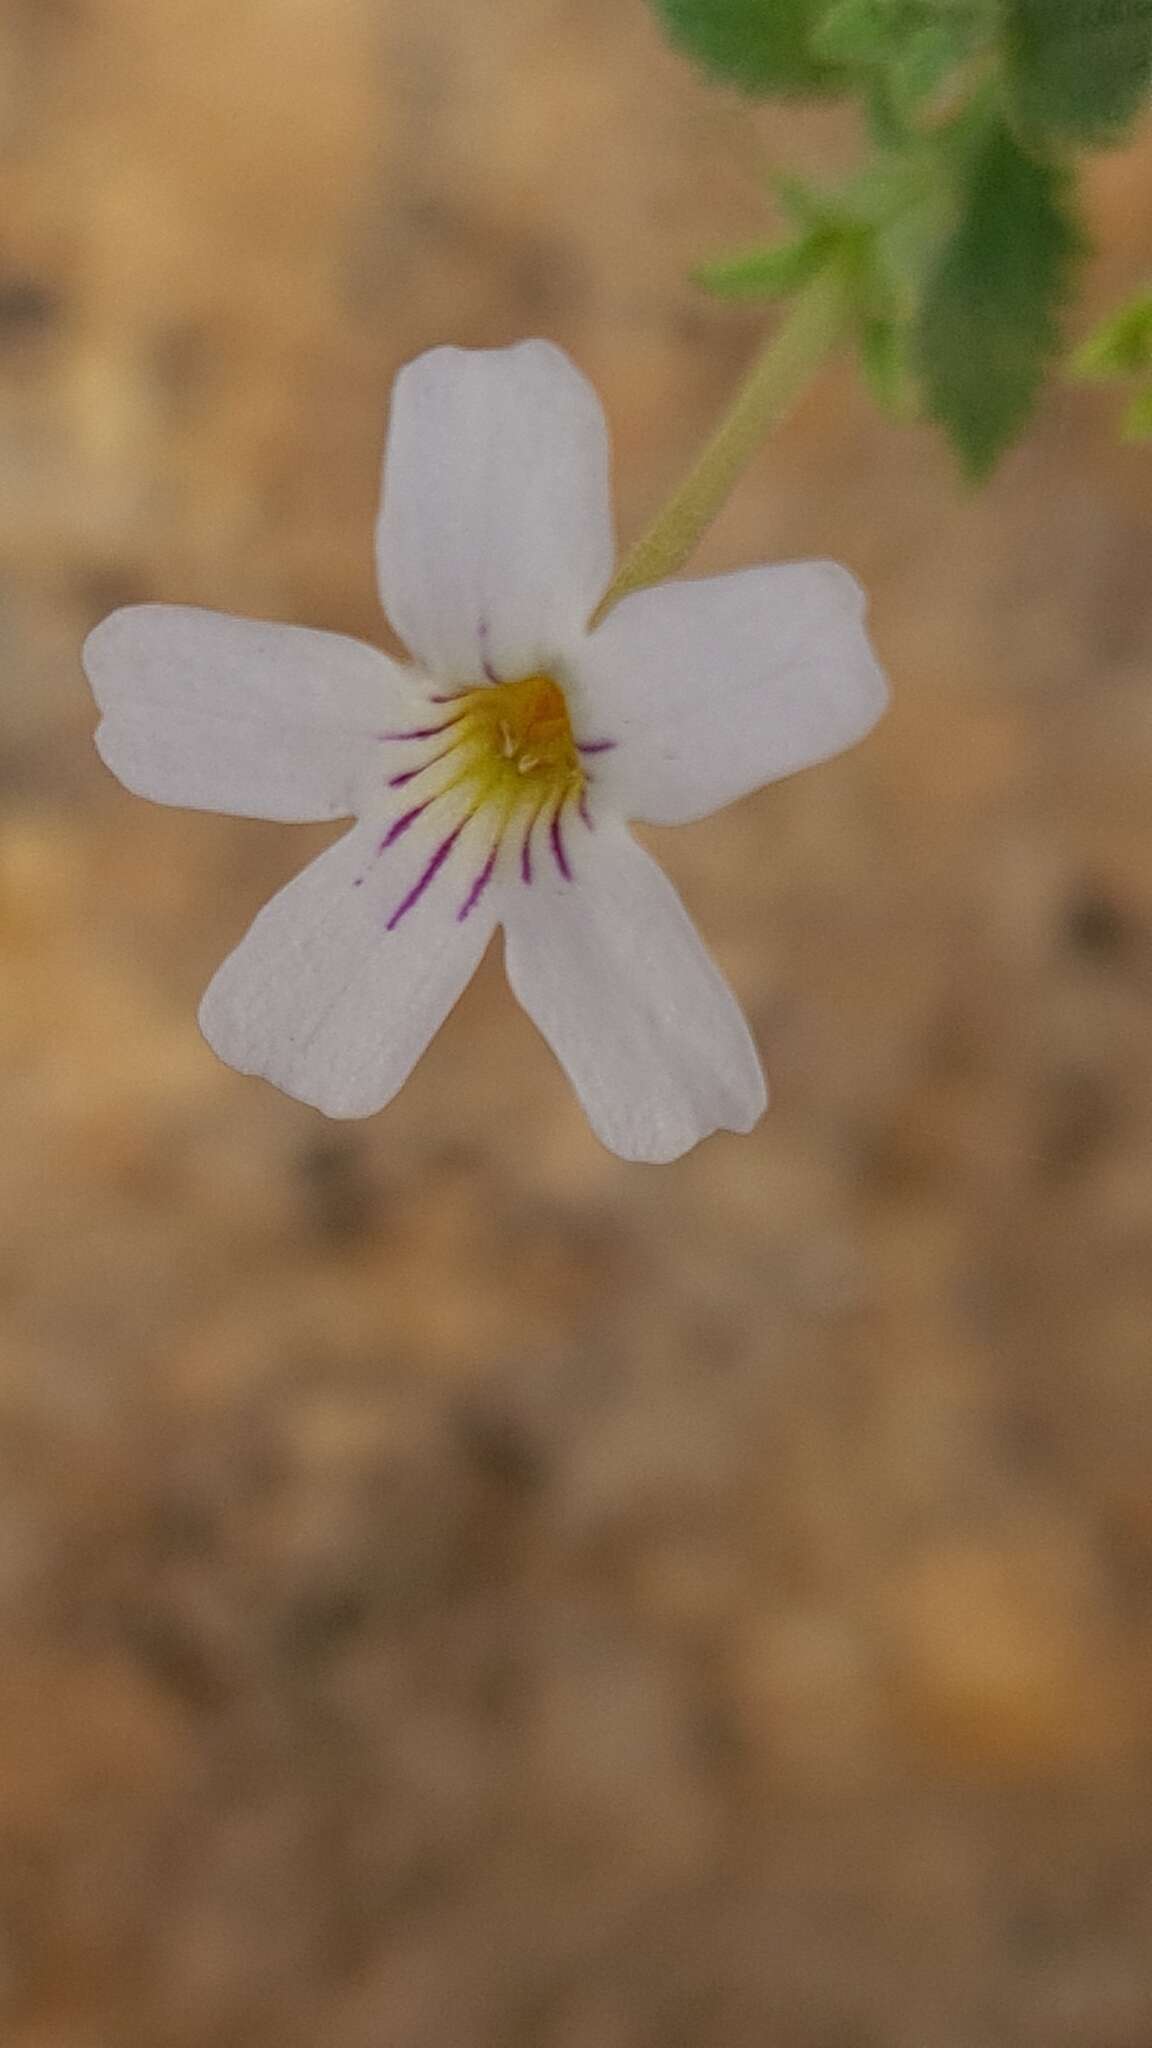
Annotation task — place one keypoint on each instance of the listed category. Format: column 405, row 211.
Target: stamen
column 595, row 746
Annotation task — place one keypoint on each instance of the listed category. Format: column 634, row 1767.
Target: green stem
column 811, row 331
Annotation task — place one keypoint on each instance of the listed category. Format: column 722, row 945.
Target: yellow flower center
column 504, row 751
column 515, row 745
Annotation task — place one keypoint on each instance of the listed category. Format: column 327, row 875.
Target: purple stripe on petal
column 479, row 885
column 484, row 635
column 559, row 853
column 595, row 746
column 410, row 774
column 401, row 825
column 526, row 847
column 424, row 732
column 429, row 875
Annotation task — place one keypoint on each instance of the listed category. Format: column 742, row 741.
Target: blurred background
column 457, row 1590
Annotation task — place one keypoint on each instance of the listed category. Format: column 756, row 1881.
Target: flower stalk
column 800, row 346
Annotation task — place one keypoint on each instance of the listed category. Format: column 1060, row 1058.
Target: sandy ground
column 459, row 1591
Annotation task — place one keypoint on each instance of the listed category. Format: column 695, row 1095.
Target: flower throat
column 505, row 751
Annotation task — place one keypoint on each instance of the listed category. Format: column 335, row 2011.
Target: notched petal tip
column 665, row 1152
column 451, row 359
column 494, row 540
column 873, row 688
column 121, row 754
column 106, row 645
column 329, row 1094
column 228, row 1031
column 615, row 976
column 328, row 1003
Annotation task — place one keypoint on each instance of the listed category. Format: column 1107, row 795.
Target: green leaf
column 878, row 231
column 921, row 66
column 1078, row 70
column 874, row 197
column 989, row 324
column 858, row 33
column 908, row 47
column 1122, row 347
column 767, row 273
column 764, row 46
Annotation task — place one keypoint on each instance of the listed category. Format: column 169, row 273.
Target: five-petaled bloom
column 492, row 780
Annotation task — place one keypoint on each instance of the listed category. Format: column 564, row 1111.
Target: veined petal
column 225, row 714
column 612, row 971
column 346, row 975
column 495, row 535
column 713, row 687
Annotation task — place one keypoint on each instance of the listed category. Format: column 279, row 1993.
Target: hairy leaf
column 989, row 324
column 924, row 62
column 768, row 273
column 765, row 46
column 901, row 49
column 859, row 32
column 1078, row 70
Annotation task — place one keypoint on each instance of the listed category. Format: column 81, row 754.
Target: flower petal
column 224, row 714
column 332, row 994
column 495, row 535
column 712, row 688
column 612, row 971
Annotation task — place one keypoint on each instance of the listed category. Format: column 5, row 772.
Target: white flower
column 492, row 780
